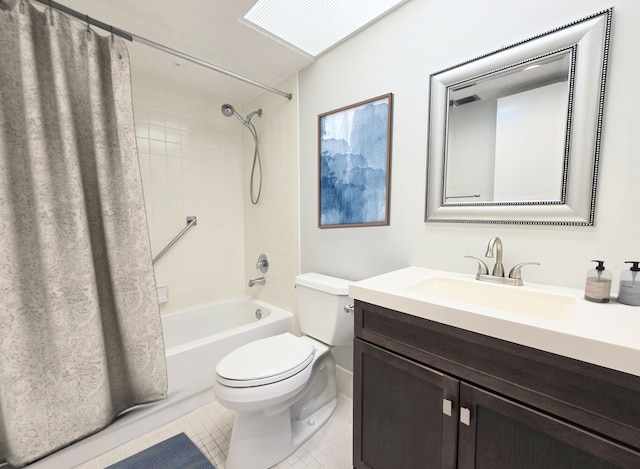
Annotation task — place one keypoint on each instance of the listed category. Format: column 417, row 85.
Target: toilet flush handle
column 349, row 309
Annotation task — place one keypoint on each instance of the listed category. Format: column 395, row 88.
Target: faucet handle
column 482, row 267
column 514, row 273
column 263, row 264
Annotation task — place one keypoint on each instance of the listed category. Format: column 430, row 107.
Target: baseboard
column 344, row 381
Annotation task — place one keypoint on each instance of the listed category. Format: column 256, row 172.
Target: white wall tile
column 142, row 129
column 174, row 164
column 188, row 152
column 207, row 264
column 173, row 149
column 173, row 135
column 158, row 177
column 156, row 132
column 158, row 162
column 271, row 226
column 143, row 145
column 157, row 147
column 144, row 160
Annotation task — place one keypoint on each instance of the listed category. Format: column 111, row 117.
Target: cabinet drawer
column 601, row 399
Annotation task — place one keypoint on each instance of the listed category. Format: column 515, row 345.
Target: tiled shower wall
column 191, row 164
column 271, row 226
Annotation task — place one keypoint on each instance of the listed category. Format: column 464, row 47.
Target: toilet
column 283, row 388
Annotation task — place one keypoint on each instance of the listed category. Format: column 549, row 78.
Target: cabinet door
column 502, row 434
column 401, row 418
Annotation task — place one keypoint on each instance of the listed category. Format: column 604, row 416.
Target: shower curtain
column 80, row 332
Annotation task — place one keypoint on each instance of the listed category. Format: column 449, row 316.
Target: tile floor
column 209, row 427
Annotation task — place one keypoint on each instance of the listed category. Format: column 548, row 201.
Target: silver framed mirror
column 514, row 135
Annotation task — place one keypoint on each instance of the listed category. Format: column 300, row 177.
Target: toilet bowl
column 283, row 388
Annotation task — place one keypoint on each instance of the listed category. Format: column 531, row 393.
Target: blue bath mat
column 176, row 452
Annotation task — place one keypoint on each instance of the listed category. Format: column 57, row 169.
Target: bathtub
column 205, row 335
column 195, row 340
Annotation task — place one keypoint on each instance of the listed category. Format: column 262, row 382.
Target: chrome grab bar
column 191, row 221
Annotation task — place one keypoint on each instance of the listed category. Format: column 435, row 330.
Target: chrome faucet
column 497, row 274
column 257, row 281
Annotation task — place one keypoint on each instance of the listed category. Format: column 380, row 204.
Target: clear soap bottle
column 598, row 287
column 629, row 292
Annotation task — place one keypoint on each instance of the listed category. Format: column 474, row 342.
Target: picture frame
column 354, row 164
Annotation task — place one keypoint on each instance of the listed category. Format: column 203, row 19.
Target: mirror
column 494, row 153
column 514, row 136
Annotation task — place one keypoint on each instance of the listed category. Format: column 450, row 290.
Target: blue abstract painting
column 354, row 152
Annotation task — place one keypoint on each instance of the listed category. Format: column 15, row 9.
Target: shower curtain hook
column 88, row 26
column 111, row 29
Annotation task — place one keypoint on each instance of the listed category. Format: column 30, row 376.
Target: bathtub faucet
column 257, row 281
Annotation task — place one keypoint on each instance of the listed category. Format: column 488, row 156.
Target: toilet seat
column 265, row 361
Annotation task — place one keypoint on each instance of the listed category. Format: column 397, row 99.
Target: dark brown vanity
column 430, row 395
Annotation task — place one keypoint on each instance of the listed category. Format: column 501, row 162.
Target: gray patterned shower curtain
column 80, row 333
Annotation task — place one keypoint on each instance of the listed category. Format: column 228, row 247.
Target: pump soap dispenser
column 598, row 287
column 629, row 292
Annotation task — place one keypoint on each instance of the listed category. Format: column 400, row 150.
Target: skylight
column 315, row 26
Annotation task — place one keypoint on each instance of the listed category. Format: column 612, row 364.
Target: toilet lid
column 265, row 361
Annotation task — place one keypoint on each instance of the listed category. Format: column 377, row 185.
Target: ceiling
column 209, row 30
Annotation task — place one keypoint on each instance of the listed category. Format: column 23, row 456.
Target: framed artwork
column 354, row 164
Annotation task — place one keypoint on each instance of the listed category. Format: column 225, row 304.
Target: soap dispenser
column 598, row 287
column 629, row 292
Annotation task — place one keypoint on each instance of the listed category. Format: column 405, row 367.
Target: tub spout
column 257, row 281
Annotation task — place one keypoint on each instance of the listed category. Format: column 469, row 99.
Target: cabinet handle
column 465, row 416
column 446, row 407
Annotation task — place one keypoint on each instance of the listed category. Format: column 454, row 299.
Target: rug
column 176, row 452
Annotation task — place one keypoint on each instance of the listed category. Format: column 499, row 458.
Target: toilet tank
column 321, row 300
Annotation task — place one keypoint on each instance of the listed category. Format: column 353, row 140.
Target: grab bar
column 191, row 221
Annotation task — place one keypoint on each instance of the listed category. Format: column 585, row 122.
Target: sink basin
column 509, row 299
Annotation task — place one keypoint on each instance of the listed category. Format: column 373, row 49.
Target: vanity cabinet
column 400, row 416
column 429, row 395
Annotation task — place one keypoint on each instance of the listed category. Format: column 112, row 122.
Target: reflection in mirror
column 514, row 135
column 495, row 153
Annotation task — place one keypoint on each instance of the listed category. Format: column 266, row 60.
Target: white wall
column 397, row 55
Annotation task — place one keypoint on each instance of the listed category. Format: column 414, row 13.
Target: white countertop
column 605, row 334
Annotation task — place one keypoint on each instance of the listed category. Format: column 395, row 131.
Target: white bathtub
column 195, row 340
column 205, row 335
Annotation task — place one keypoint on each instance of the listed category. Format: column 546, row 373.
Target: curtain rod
column 132, row 37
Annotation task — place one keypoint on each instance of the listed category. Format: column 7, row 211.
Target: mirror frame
column 590, row 37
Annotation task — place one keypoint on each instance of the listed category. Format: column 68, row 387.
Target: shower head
column 228, row 111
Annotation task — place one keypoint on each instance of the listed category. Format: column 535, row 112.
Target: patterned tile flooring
column 209, row 427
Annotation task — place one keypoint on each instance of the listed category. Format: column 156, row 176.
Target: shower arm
column 191, row 221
